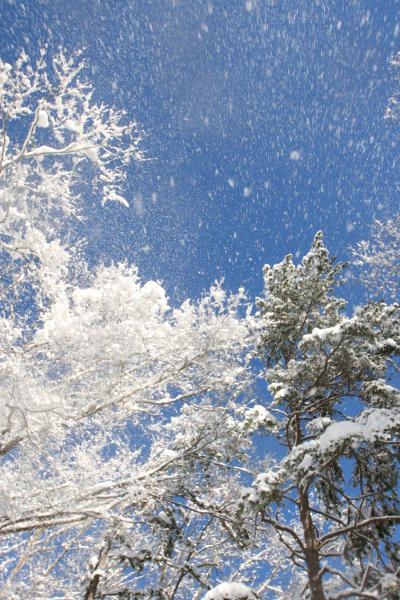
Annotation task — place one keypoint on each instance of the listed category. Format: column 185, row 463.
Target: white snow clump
column 231, row 591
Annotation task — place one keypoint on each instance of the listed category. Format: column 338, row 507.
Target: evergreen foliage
column 337, row 419
column 130, row 457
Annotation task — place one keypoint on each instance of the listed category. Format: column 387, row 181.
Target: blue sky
column 263, row 122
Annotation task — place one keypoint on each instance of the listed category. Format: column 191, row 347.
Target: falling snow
column 259, row 123
column 235, row 92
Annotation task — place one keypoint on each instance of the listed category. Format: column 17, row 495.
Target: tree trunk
column 91, row 589
column 312, row 548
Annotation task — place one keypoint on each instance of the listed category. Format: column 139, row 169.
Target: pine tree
column 337, row 420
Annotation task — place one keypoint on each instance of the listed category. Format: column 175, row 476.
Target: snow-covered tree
column 336, row 422
column 379, row 259
column 127, row 424
column 393, row 107
column 120, row 433
column 53, row 139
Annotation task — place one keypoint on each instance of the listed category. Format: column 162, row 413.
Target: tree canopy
column 154, row 451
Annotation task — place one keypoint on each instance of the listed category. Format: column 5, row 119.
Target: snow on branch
column 52, row 96
column 231, row 591
column 54, row 139
column 378, row 258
